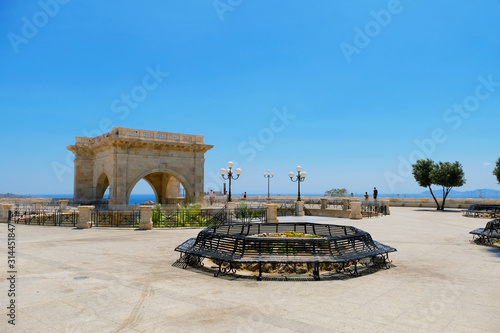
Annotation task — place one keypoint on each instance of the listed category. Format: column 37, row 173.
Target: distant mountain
column 13, row 196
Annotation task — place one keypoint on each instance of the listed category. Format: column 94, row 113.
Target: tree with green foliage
column 422, row 173
column 445, row 174
column 448, row 175
column 336, row 192
column 496, row 171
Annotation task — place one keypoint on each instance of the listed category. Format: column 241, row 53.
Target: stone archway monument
column 122, row 157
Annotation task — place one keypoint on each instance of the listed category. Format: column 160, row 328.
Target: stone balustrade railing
column 126, row 133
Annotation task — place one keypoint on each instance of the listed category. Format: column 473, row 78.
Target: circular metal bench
column 236, row 243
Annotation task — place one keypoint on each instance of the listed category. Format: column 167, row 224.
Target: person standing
column 366, row 196
column 211, row 197
column 375, row 193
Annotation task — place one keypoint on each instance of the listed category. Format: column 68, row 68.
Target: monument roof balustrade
column 131, row 137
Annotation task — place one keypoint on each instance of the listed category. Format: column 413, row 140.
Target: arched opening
column 102, row 188
column 168, row 189
column 142, row 192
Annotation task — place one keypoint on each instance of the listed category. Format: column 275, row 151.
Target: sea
column 134, row 198
column 483, row 193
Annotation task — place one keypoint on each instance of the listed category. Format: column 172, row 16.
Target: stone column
column 356, row 210
column 38, row 204
column 323, row 203
column 5, row 212
column 230, row 210
column 345, row 204
column 386, row 204
column 84, row 217
column 299, row 208
column 230, row 205
column 272, row 213
column 63, row 204
column 146, row 217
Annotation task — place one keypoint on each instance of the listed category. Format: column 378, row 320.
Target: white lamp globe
column 230, row 164
column 299, row 168
column 238, row 171
column 290, row 174
column 222, row 171
column 303, row 174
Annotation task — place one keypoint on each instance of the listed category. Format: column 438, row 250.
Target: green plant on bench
column 299, row 234
column 283, row 249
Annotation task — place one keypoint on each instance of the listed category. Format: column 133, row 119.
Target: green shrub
column 242, row 211
column 156, row 215
column 190, row 214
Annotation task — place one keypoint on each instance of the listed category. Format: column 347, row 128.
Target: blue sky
column 354, row 92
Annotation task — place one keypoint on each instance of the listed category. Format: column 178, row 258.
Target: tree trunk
column 435, row 200
column 445, row 195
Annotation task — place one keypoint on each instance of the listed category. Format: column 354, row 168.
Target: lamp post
column 299, row 178
column 268, row 175
column 228, row 174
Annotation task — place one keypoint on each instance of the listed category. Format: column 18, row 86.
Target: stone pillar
column 323, row 203
column 299, row 208
column 146, row 215
column 272, row 213
column 63, row 204
column 345, row 204
column 38, row 204
column 230, row 206
column 386, row 204
column 84, row 217
column 5, row 212
column 356, row 210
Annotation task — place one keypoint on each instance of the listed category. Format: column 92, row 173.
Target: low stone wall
column 395, row 202
column 27, row 201
column 35, row 204
column 344, row 214
column 430, row 203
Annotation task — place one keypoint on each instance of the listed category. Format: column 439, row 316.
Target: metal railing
column 286, row 208
column 206, row 217
column 371, row 209
column 42, row 217
column 120, row 219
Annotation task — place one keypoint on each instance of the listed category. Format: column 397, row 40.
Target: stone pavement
column 120, row 280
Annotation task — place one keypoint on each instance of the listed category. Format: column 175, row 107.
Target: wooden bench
column 489, row 234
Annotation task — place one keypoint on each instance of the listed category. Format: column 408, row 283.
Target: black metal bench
column 489, row 211
column 489, row 234
column 238, row 243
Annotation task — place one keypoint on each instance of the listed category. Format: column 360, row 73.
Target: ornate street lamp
column 301, row 176
column 228, row 174
column 268, row 175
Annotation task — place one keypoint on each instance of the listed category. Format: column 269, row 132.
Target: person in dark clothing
column 375, row 193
